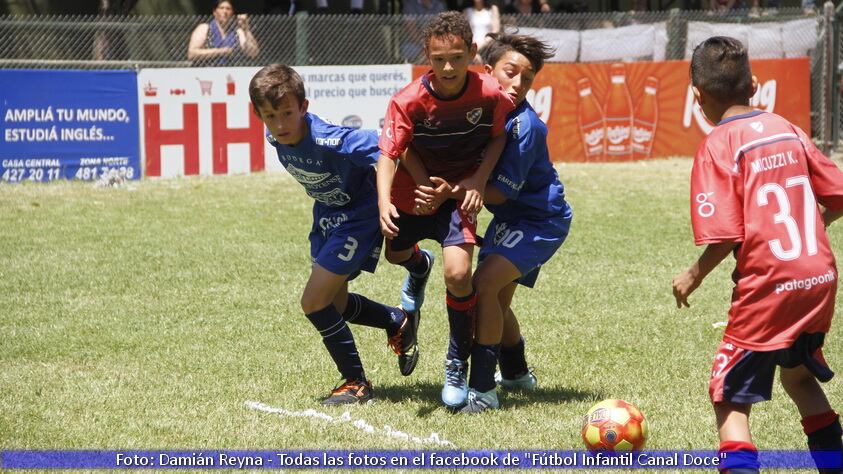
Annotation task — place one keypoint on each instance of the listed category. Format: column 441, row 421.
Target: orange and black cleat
column 351, row 391
column 405, row 343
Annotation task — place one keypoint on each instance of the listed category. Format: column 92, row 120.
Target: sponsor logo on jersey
column 333, row 198
column 806, row 283
column 757, row 126
column 389, row 129
column 333, row 141
column 427, row 123
column 306, row 177
column 326, row 224
column 473, row 115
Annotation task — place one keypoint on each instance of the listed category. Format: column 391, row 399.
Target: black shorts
column 449, row 226
column 744, row 376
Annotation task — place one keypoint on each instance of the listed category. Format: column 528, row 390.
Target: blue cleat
column 479, row 402
column 455, row 391
column 412, row 292
column 524, row 382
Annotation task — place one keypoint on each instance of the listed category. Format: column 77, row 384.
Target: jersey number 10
column 809, row 216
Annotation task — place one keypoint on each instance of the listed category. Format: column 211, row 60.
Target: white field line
column 361, row 424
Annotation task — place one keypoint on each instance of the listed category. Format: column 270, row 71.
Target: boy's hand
column 429, row 198
column 683, row 285
column 474, row 188
column 387, row 214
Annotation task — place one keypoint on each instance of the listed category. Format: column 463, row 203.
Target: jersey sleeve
column 397, row 130
column 517, row 158
column 503, row 106
column 361, row 147
column 826, row 177
column 716, row 200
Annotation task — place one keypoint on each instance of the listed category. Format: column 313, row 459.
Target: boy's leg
column 317, row 302
column 514, row 373
column 819, row 421
column 741, row 456
column 461, row 301
column 493, row 275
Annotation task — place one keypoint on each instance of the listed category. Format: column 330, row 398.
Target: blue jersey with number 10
column 334, row 164
column 524, row 173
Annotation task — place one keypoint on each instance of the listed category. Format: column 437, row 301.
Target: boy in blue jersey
column 336, row 167
column 531, row 220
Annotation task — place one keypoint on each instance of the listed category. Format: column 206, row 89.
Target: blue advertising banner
column 68, row 125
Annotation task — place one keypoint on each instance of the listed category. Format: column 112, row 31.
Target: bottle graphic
column 646, row 119
column 592, row 125
column 618, row 116
column 229, row 85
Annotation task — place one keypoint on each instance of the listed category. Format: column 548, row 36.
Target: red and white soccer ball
column 614, row 425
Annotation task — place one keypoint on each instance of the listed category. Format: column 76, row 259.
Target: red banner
column 633, row 111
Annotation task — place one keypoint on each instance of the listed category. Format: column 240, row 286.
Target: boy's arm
column 475, row 185
column 686, row 282
column 411, row 162
column 385, row 172
column 830, row 216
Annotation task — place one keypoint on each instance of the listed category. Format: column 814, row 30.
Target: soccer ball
column 614, row 425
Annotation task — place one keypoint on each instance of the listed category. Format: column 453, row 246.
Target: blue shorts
column 526, row 243
column 449, row 226
column 346, row 241
column 744, row 376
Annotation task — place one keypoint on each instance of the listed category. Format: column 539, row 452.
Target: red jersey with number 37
column 448, row 135
column 757, row 180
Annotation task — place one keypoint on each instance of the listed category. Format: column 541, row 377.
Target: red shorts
column 745, row 376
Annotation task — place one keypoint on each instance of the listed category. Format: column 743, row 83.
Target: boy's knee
column 311, row 304
column 396, row 258
column 458, row 278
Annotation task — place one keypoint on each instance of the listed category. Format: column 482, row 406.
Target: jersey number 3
column 809, row 214
column 351, row 246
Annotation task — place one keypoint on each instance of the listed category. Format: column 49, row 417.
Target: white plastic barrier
column 625, row 43
column 763, row 40
column 565, row 42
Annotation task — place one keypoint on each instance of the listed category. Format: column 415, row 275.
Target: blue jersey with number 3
column 334, row 164
column 524, row 173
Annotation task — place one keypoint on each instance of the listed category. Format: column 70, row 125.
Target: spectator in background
column 484, row 18
column 526, row 7
column 725, row 6
column 412, row 48
column 223, row 39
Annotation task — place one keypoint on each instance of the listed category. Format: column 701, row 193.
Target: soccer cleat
column 351, row 391
column 526, row 382
column 481, row 401
column 412, row 292
column 405, row 343
column 455, row 391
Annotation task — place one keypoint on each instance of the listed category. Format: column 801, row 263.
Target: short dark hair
column 272, row 83
column 448, row 24
column 720, row 68
column 535, row 50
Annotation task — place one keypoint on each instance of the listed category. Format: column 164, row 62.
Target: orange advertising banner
column 633, row 111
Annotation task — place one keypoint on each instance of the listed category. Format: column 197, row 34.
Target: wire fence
column 99, row 42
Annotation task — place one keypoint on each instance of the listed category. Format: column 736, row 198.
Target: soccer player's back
column 756, row 184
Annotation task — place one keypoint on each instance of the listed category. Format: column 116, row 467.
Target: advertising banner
column 200, row 121
column 68, row 125
column 641, row 110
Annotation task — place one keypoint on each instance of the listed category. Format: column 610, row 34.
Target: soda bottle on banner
column 592, row 125
column 618, row 116
column 229, row 85
column 646, row 119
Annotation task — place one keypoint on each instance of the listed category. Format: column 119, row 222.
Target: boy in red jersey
column 755, row 186
column 448, row 123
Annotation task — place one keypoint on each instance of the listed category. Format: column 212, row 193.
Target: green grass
column 145, row 317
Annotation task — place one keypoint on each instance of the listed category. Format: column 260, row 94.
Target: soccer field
column 148, row 316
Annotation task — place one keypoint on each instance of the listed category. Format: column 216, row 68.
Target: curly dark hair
column 450, row 23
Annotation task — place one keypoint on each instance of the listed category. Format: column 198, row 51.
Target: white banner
column 199, row 121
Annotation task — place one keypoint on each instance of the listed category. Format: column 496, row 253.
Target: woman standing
column 484, row 18
column 222, row 39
